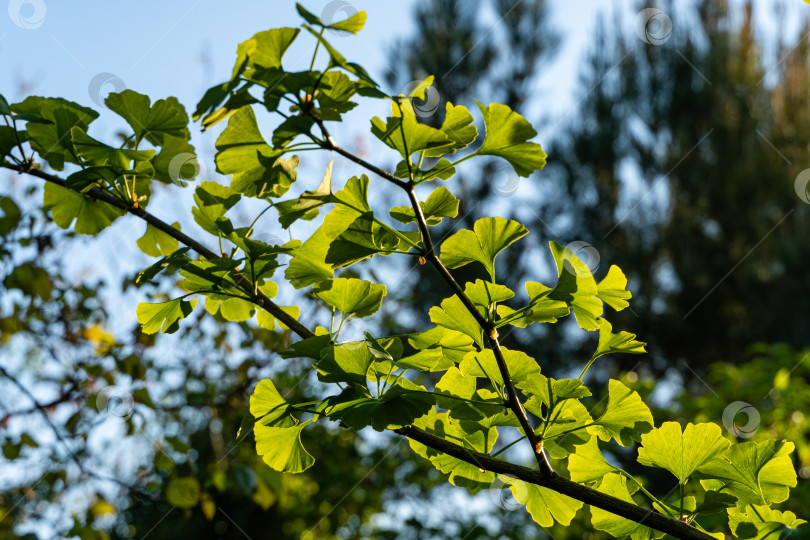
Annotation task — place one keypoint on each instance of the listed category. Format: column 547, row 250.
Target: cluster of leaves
column 185, row 434
column 453, row 381
column 769, row 393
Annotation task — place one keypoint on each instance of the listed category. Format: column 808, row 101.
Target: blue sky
column 181, row 48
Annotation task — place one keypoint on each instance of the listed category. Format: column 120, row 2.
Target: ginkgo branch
column 242, row 281
column 430, row 254
column 555, row 482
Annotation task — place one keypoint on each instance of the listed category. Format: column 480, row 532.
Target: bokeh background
column 679, row 149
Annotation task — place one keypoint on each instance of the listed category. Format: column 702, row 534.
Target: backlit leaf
column 681, row 453
column 507, row 135
column 352, row 297
column 492, row 235
column 164, row 316
column 281, row 448
column 754, row 472
column 155, row 242
column 627, row 417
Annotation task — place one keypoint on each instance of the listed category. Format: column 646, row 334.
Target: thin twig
column 242, row 281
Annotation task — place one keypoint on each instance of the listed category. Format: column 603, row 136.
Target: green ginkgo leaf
column 627, row 417
column 164, row 316
column 98, row 153
column 567, row 428
column 306, row 206
column 492, row 235
column 456, row 386
column 258, row 170
column 345, row 363
column 352, row 297
column 264, row 49
column 362, row 239
column 681, row 453
column 10, row 139
column 678, row 507
column 440, row 204
column 50, row 137
column 484, row 294
column 458, row 125
column 267, row 321
column 615, row 485
column 232, row 309
column 91, row 216
column 212, row 201
column 576, row 287
column 442, row 169
column 267, row 404
column 334, row 95
column 384, row 349
column 484, row 411
column 460, row 472
column 623, row 342
column 399, row 406
column 612, row 290
column 715, row 501
column 166, row 118
column 541, row 308
column 760, row 522
column 356, row 243
column 287, row 131
column 544, row 505
column 403, row 132
column 550, row 391
column 427, row 360
column 483, row 364
column 366, row 85
column 587, row 464
column 155, row 242
column 281, row 448
column 352, row 24
column 176, row 162
column 308, row 265
column 240, row 143
column 754, row 472
column 453, row 344
column 454, row 315
column 507, row 136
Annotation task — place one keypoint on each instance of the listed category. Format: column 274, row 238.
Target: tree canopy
column 484, row 415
